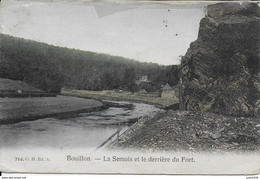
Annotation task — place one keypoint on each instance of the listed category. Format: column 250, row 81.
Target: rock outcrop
column 221, row 70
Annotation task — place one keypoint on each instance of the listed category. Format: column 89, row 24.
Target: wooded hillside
column 50, row 68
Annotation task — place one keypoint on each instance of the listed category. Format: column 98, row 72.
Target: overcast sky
column 154, row 32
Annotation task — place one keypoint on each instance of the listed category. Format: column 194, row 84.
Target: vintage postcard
column 130, row 87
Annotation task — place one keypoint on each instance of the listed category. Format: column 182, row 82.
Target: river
column 87, row 130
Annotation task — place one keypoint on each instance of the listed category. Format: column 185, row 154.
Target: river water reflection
column 87, row 130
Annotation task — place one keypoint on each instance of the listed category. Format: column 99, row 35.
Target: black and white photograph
column 130, row 87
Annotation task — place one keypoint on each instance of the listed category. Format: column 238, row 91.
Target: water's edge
column 81, row 130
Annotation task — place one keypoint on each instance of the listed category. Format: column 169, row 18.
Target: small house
column 143, row 79
column 142, row 91
column 167, row 92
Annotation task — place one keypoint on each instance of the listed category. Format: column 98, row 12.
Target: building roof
column 167, row 87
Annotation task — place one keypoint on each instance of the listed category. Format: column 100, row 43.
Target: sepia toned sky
column 148, row 32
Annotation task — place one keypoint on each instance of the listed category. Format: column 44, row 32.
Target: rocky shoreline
column 191, row 131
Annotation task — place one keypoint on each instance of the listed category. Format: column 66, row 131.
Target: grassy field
column 149, row 98
column 14, row 110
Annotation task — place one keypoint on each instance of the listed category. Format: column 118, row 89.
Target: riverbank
column 144, row 97
column 89, row 131
column 191, row 131
column 15, row 110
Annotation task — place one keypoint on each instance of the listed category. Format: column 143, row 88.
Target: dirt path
column 14, row 110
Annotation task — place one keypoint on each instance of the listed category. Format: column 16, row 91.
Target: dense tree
column 172, row 75
column 50, row 68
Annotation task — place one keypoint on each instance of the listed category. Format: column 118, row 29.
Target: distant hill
column 50, row 68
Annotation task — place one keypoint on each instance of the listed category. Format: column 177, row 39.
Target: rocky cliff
column 221, row 70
